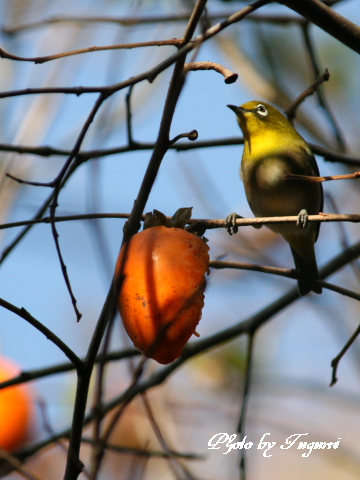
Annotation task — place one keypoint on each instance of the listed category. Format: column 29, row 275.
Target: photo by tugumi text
column 227, row 441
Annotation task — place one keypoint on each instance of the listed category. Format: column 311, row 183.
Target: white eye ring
column 262, row 110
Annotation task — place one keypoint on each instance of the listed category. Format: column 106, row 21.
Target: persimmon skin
column 15, row 409
column 160, row 283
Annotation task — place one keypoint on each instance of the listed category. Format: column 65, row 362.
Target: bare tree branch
column 146, row 453
column 291, row 111
column 16, row 464
column 229, row 76
column 192, row 136
column 245, row 400
column 335, row 362
column 309, row 44
column 206, row 223
column 328, row 20
column 347, row 176
column 84, row 155
column 37, row 60
column 28, row 376
column 138, row 21
column 21, row 312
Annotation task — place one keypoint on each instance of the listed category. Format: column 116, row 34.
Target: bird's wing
column 316, row 172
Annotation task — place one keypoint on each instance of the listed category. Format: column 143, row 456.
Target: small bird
column 273, row 149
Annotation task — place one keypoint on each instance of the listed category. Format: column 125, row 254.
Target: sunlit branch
column 206, row 223
column 347, row 176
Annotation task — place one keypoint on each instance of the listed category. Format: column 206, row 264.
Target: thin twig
column 343, row 291
column 16, row 465
column 201, row 222
column 57, row 183
column 22, row 234
column 54, row 203
column 21, row 312
column 245, row 400
column 137, row 373
column 335, row 362
column 282, row 272
column 135, row 21
column 146, row 453
column 128, row 116
column 27, row 182
column 193, row 135
column 49, row 430
column 309, row 44
column 322, row 217
column 39, row 214
column 151, row 19
column 85, row 155
column 348, row 176
column 74, row 465
column 156, row 43
column 344, row 238
column 98, row 401
column 229, row 76
column 291, row 111
column 66, row 218
column 175, row 465
column 28, row 376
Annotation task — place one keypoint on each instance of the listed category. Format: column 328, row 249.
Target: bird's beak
column 237, row 110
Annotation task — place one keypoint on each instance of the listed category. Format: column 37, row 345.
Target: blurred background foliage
column 291, row 372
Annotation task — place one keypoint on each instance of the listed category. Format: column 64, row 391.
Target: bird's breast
column 270, row 194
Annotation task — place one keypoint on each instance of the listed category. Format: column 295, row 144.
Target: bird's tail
column 307, row 271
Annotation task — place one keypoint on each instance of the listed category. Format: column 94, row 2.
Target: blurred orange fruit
column 15, row 409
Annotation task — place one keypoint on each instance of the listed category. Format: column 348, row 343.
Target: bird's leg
column 230, row 222
column 302, row 220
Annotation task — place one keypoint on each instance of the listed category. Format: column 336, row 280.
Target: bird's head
column 260, row 118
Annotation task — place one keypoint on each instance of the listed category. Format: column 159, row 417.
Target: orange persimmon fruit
column 15, row 409
column 160, row 283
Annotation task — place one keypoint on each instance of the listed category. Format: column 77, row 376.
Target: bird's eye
column 262, row 110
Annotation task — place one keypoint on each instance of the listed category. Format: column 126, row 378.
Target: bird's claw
column 302, row 220
column 230, row 222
